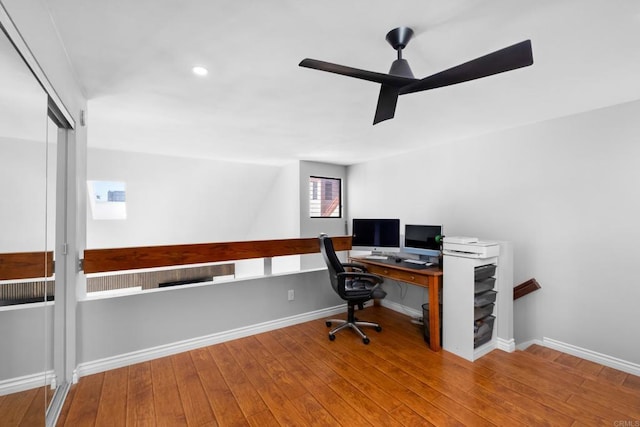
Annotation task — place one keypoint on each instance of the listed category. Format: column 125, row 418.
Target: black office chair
column 355, row 287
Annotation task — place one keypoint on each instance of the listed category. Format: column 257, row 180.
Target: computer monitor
column 422, row 239
column 376, row 235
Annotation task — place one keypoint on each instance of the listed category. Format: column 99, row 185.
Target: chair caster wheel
column 328, row 324
column 378, row 328
column 365, row 340
column 332, row 337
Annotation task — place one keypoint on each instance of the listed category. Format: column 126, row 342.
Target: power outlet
column 290, row 295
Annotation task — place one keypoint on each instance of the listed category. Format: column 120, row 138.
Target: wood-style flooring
column 26, row 408
column 295, row 376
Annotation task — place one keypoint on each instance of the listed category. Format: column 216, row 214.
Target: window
column 325, row 197
column 107, row 199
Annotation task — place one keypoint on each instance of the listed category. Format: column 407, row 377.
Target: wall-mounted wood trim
column 26, row 265
column 525, row 288
column 103, row 260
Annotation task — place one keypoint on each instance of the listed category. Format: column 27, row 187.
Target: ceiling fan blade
column 387, row 101
column 510, row 58
column 371, row 76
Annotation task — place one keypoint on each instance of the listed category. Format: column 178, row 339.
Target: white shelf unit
column 458, row 293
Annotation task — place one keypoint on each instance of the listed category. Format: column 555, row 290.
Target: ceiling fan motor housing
column 400, row 67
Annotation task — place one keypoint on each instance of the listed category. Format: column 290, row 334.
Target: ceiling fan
column 400, row 79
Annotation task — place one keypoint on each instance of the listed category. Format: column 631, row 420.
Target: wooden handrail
column 118, row 259
column 26, row 265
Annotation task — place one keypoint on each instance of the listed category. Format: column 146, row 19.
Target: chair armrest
column 360, row 267
column 356, row 275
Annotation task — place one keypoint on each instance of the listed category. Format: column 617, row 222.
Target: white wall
column 312, row 227
column 173, row 200
column 564, row 192
column 118, row 326
column 277, row 217
column 27, row 339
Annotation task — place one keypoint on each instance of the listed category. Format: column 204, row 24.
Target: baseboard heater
column 29, row 300
column 185, row 282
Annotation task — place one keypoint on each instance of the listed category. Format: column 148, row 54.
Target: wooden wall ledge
column 104, row 260
column 26, row 265
column 525, row 288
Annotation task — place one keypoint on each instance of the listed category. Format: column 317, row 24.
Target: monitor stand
column 376, row 255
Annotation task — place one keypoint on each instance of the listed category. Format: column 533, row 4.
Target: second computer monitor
column 422, row 239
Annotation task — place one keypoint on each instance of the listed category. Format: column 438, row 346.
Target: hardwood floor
column 26, row 408
column 295, row 377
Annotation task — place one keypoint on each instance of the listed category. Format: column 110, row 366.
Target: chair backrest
column 333, row 263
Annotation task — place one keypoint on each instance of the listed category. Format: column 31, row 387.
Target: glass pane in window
column 107, row 199
column 325, row 197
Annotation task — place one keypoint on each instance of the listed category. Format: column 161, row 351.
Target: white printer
column 469, row 247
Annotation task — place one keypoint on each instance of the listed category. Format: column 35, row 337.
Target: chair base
column 355, row 325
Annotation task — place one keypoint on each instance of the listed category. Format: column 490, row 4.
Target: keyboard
column 415, row 261
column 376, row 257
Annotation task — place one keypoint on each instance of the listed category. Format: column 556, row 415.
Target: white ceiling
column 134, row 59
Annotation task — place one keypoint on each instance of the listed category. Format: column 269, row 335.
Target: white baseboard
column 26, row 382
column 401, row 308
column 121, row 360
column 583, row 353
column 524, row 345
column 506, row 345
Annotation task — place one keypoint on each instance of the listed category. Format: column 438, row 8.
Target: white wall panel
column 565, row 192
column 173, row 200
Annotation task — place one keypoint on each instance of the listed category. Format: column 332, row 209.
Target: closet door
column 27, row 238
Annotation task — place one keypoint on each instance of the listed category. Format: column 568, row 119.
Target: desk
column 430, row 278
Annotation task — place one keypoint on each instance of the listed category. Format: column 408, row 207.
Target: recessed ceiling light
column 200, row 71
